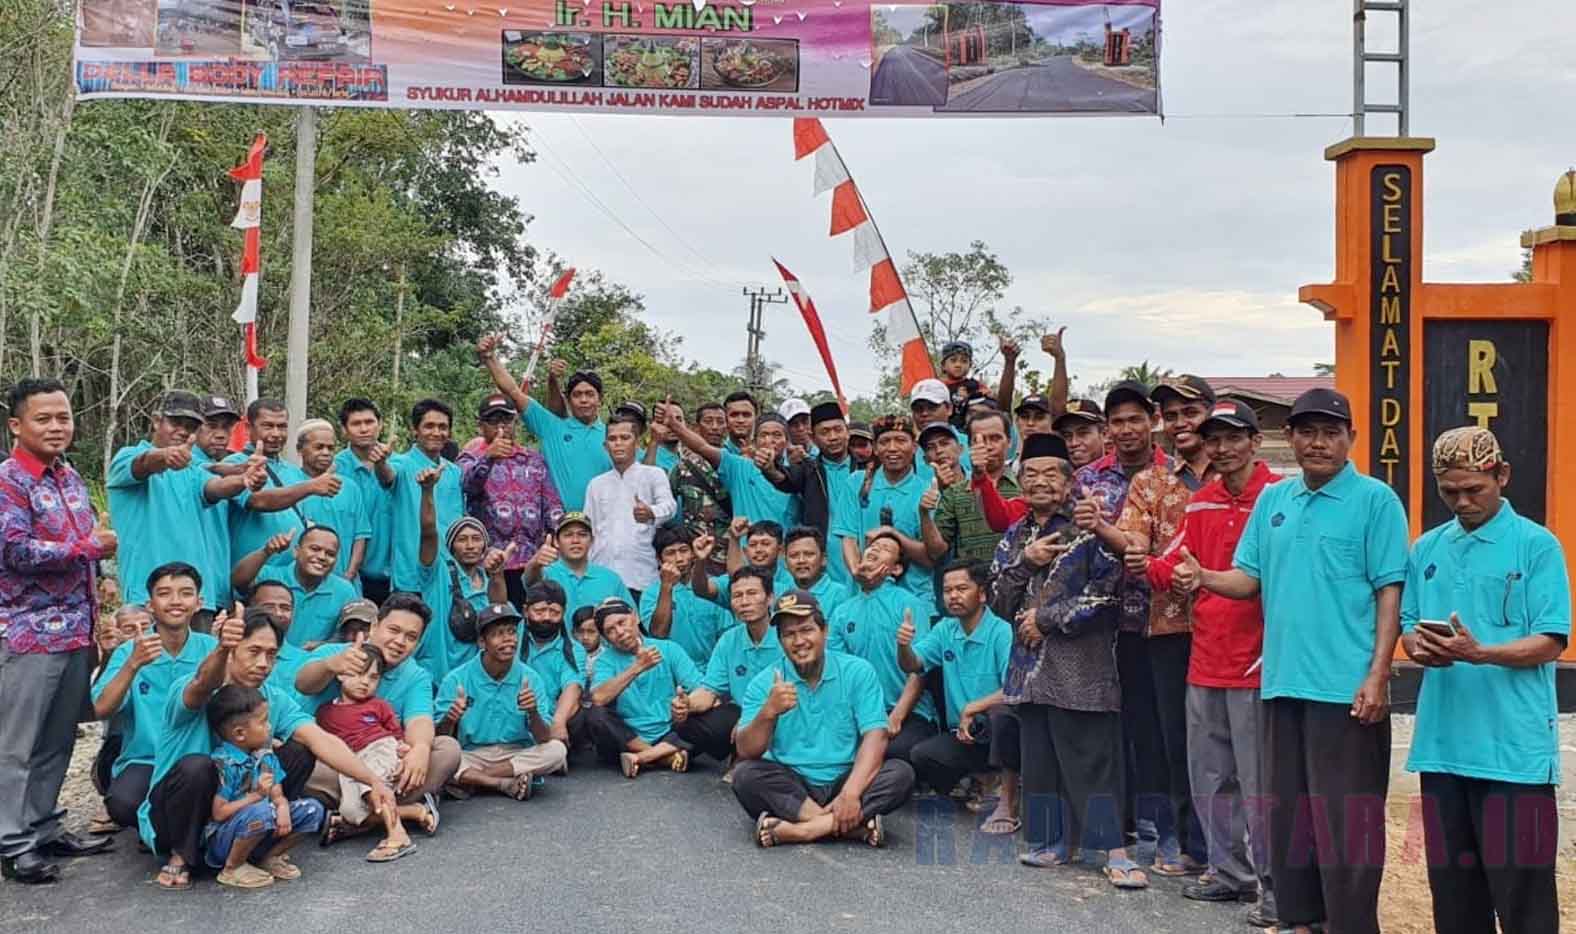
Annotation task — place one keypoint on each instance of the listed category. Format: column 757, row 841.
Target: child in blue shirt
column 251, row 818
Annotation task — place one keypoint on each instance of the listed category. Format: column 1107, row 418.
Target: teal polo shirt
column 378, row 501
column 407, row 686
column 1320, row 556
column 696, row 622
column 154, row 518
column 439, row 652
column 644, row 704
column 819, row 737
column 573, row 450
column 316, row 614
column 556, row 671
column 447, row 498
column 141, row 711
column 973, row 665
column 837, row 500
column 828, row 592
column 865, row 625
column 346, row 513
column 250, row 530
column 667, row 458
column 215, row 522
column 903, row 497
column 738, row 658
column 493, row 715
column 589, row 588
column 1506, row 580
column 753, row 495
column 184, row 732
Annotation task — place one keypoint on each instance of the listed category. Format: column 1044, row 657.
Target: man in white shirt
column 625, row 505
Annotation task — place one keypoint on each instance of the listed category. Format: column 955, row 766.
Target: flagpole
column 301, row 270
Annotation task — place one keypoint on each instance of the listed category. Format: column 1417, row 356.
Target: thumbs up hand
column 782, row 698
column 931, row 497
column 905, row 630
column 457, row 709
column 678, row 708
column 643, row 513
column 104, row 539
column 1087, row 515
column 1136, row 557
column 1188, row 574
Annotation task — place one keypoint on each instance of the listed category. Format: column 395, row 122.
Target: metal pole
column 301, row 270
column 1403, row 17
column 1359, row 64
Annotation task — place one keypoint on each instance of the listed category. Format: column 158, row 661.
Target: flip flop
column 1176, row 866
column 181, row 877
column 766, row 830
column 875, row 832
column 388, row 854
column 332, row 830
column 430, row 802
column 1126, row 876
column 1045, row 859
column 281, row 868
column 521, row 789
column 628, row 764
column 103, row 827
column 246, row 876
column 1006, row 826
column 679, row 762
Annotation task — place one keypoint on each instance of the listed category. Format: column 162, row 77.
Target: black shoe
column 1217, row 891
column 69, row 845
column 1258, row 917
column 31, row 868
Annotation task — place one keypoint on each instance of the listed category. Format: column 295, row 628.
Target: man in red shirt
column 1223, row 707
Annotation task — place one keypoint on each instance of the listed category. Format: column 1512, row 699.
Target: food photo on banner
column 768, row 58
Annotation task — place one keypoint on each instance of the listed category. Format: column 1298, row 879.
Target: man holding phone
column 1487, row 610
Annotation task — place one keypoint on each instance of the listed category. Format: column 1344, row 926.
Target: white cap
column 933, row 391
column 793, row 408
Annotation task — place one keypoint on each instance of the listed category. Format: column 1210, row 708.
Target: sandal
column 103, row 826
column 246, row 876
column 334, row 829
column 1126, row 875
column 875, row 832
column 1174, row 866
column 281, row 868
column 766, row 830
column 1001, row 826
column 521, row 789
column 679, row 761
column 628, row 764
column 1048, row 858
column 179, row 877
column 429, row 823
column 383, row 853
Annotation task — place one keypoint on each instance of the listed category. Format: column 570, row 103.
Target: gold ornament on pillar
column 1565, row 200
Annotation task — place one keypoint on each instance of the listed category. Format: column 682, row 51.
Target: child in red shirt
column 367, row 724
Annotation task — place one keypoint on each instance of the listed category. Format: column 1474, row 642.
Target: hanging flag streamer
column 248, row 218
column 812, row 320
column 555, row 298
column 850, row 214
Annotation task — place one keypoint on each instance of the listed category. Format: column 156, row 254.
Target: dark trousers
column 515, row 579
column 376, row 589
column 1326, row 775
column 916, row 730
column 943, row 760
column 765, row 787
column 126, row 793
column 104, row 761
column 611, row 735
column 43, row 696
column 1153, row 673
column 1072, row 777
column 1491, row 848
column 711, row 732
column 182, row 801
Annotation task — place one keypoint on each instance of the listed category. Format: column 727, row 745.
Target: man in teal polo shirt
column 572, row 445
column 460, row 571
column 812, row 740
column 364, row 464
column 890, row 502
column 1327, row 553
column 212, row 446
column 493, row 705
column 634, row 683
column 432, row 423
column 344, row 512
column 971, row 648
column 804, row 555
column 1487, row 611
column 318, row 593
column 672, row 609
column 706, row 718
column 558, row 659
column 275, row 507
column 136, row 681
column 866, row 625
column 748, row 489
column 565, row 560
column 750, row 544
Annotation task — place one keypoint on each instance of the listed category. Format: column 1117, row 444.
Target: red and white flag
column 812, row 320
column 555, row 298
column 850, row 214
column 248, row 218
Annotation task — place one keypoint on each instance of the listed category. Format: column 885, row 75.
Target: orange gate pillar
column 1417, row 358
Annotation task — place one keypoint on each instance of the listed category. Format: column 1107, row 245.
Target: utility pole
column 754, row 371
column 301, row 270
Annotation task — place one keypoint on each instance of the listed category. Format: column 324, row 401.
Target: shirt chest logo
column 568, row 438
column 850, row 628
column 948, row 656
column 740, row 671
column 1278, row 520
column 144, row 688
column 1428, row 572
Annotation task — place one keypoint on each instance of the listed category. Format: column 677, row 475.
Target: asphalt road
column 906, row 77
column 595, row 852
column 1057, row 85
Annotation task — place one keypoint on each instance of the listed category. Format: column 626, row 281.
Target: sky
column 1180, row 242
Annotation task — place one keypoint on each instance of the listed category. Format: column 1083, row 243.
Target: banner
column 722, row 57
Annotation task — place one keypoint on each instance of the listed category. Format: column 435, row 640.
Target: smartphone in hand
column 1439, row 627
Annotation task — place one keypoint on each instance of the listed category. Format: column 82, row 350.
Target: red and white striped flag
column 812, row 320
column 850, row 214
column 248, row 218
column 555, row 298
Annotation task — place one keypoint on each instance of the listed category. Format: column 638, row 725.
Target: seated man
column 804, row 553
column 633, row 686
column 707, row 717
column 490, row 705
column 672, row 610
column 565, row 559
column 318, row 593
column 431, row 760
column 750, row 544
column 810, row 772
column 971, row 647
column 866, row 625
column 136, row 682
column 558, row 660
column 458, row 574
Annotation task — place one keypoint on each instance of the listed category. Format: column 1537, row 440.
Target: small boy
column 957, row 359
column 251, row 817
column 583, row 625
column 368, row 725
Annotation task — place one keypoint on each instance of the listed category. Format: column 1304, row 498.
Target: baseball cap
column 1185, row 387
column 1321, row 402
column 214, row 406
column 796, row 603
column 1128, row 390
column 1034, row 401
column 362, row 611
column 934, row 429
column 497, row 613
column 1082, row 409
column 497, row 404
column 1467, row 448
column 933, row 391
column 793, row 408
column 957, row 347
column 178, row 403
column 1230, row 413
column 574, row 518
column 860, row 430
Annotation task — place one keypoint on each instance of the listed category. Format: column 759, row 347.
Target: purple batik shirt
column 514, row 498
column 1106, row 479
column 47, row 556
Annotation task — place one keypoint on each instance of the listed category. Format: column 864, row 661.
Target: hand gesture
column 488, row 345
column 546, row 554
column 278, row 544
column 1028, row 632
column 739, row 527
column 796, row 453
column 1136, row 557
column 762, row 458
column 782, row 698
column 256, row 472
column 265, row 781
column 643, row 513
column 558, row 368
column 428, row 479
column 679, row 708
column 669, row 573
column 176, row 457
column 493, row 561
column 931, row 498
column 1043, row 551
column 501, row 448
column 458, row 707
column 1009, row 349
column 379, row 452
column 1188, row 574
column 1087, row 515
column 351, row 661
column 526, row 699
column 327, row 484
column 948, row 474
column 229, row 628
column 1052, row 344
column 704, row 546
column 147, row 650
column 980, row 457
column 648, row 658
column 905, row 630
column 105, row 541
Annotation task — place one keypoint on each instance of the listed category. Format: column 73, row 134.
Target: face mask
column 544, row 630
